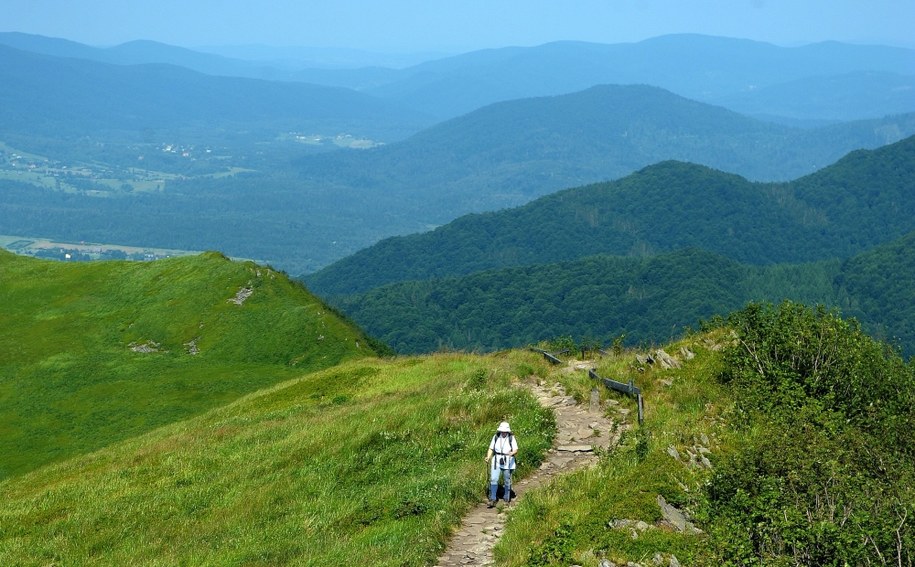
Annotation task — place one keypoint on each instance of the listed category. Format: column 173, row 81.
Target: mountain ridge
column 103, row 98
column 633, row 300
column 813, row 217
column 689, row 64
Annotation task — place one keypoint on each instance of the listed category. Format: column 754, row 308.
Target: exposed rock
column 667, row 362
column 575, row 448
column 242, row 295
column 686, row 353
column 676, row 518
column 595, row 399
column 145, row 346
column 192, row 348
column 672, row 451
column 584, row 433
column 665, row 560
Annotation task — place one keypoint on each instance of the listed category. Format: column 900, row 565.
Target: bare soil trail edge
column 580, row 429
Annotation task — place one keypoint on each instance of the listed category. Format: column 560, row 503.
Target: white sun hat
column 504, row 427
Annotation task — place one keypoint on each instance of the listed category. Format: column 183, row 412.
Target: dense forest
column 636, row 301
column 864, row 199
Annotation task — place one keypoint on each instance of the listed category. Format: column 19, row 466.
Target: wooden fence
column 628, row 389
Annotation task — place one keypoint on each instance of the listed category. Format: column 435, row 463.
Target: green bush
column 826, row 477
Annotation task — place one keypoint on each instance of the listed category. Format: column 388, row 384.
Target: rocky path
column 581, row 428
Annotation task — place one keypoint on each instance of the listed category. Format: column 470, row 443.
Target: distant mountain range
column 59, row 97
column 507, row 153
column 321, row 208
column 865, row 199
column 746, row 76
column 708, row 69
column 315, row 206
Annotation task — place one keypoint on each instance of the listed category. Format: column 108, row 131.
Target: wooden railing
column 624, row 388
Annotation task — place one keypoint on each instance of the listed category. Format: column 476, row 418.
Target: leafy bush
column 826, row 477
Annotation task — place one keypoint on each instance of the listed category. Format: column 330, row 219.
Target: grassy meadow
column 93, row 353
column 372, row 459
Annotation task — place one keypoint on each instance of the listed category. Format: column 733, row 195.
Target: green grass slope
column 372, row 459
column 92, row 353
column 784, row 438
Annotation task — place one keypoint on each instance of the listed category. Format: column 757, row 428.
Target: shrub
column 826, row 477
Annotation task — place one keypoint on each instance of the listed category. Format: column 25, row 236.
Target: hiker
column 502, row 450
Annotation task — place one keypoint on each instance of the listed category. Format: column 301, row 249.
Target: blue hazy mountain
column 826, row 81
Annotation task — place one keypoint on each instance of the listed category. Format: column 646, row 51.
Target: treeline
column 644, row 300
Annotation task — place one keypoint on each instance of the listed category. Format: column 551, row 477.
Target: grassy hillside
column 783, row 437
column 784, row 441
column 864, row 199
column 369, row 459
column 92, row 353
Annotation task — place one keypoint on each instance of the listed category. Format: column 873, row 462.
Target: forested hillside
column 635, row 301
column 880, row 285
column 93, row 353
column 174, row 189
column 864, row 199
column 595, row 299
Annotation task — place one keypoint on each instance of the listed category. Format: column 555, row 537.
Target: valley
column 270, row 311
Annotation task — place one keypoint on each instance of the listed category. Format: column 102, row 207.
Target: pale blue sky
column 456, row 25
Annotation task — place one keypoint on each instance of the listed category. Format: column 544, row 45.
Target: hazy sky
column 456, row 25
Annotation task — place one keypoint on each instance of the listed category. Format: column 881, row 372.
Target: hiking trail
column 580, row 429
